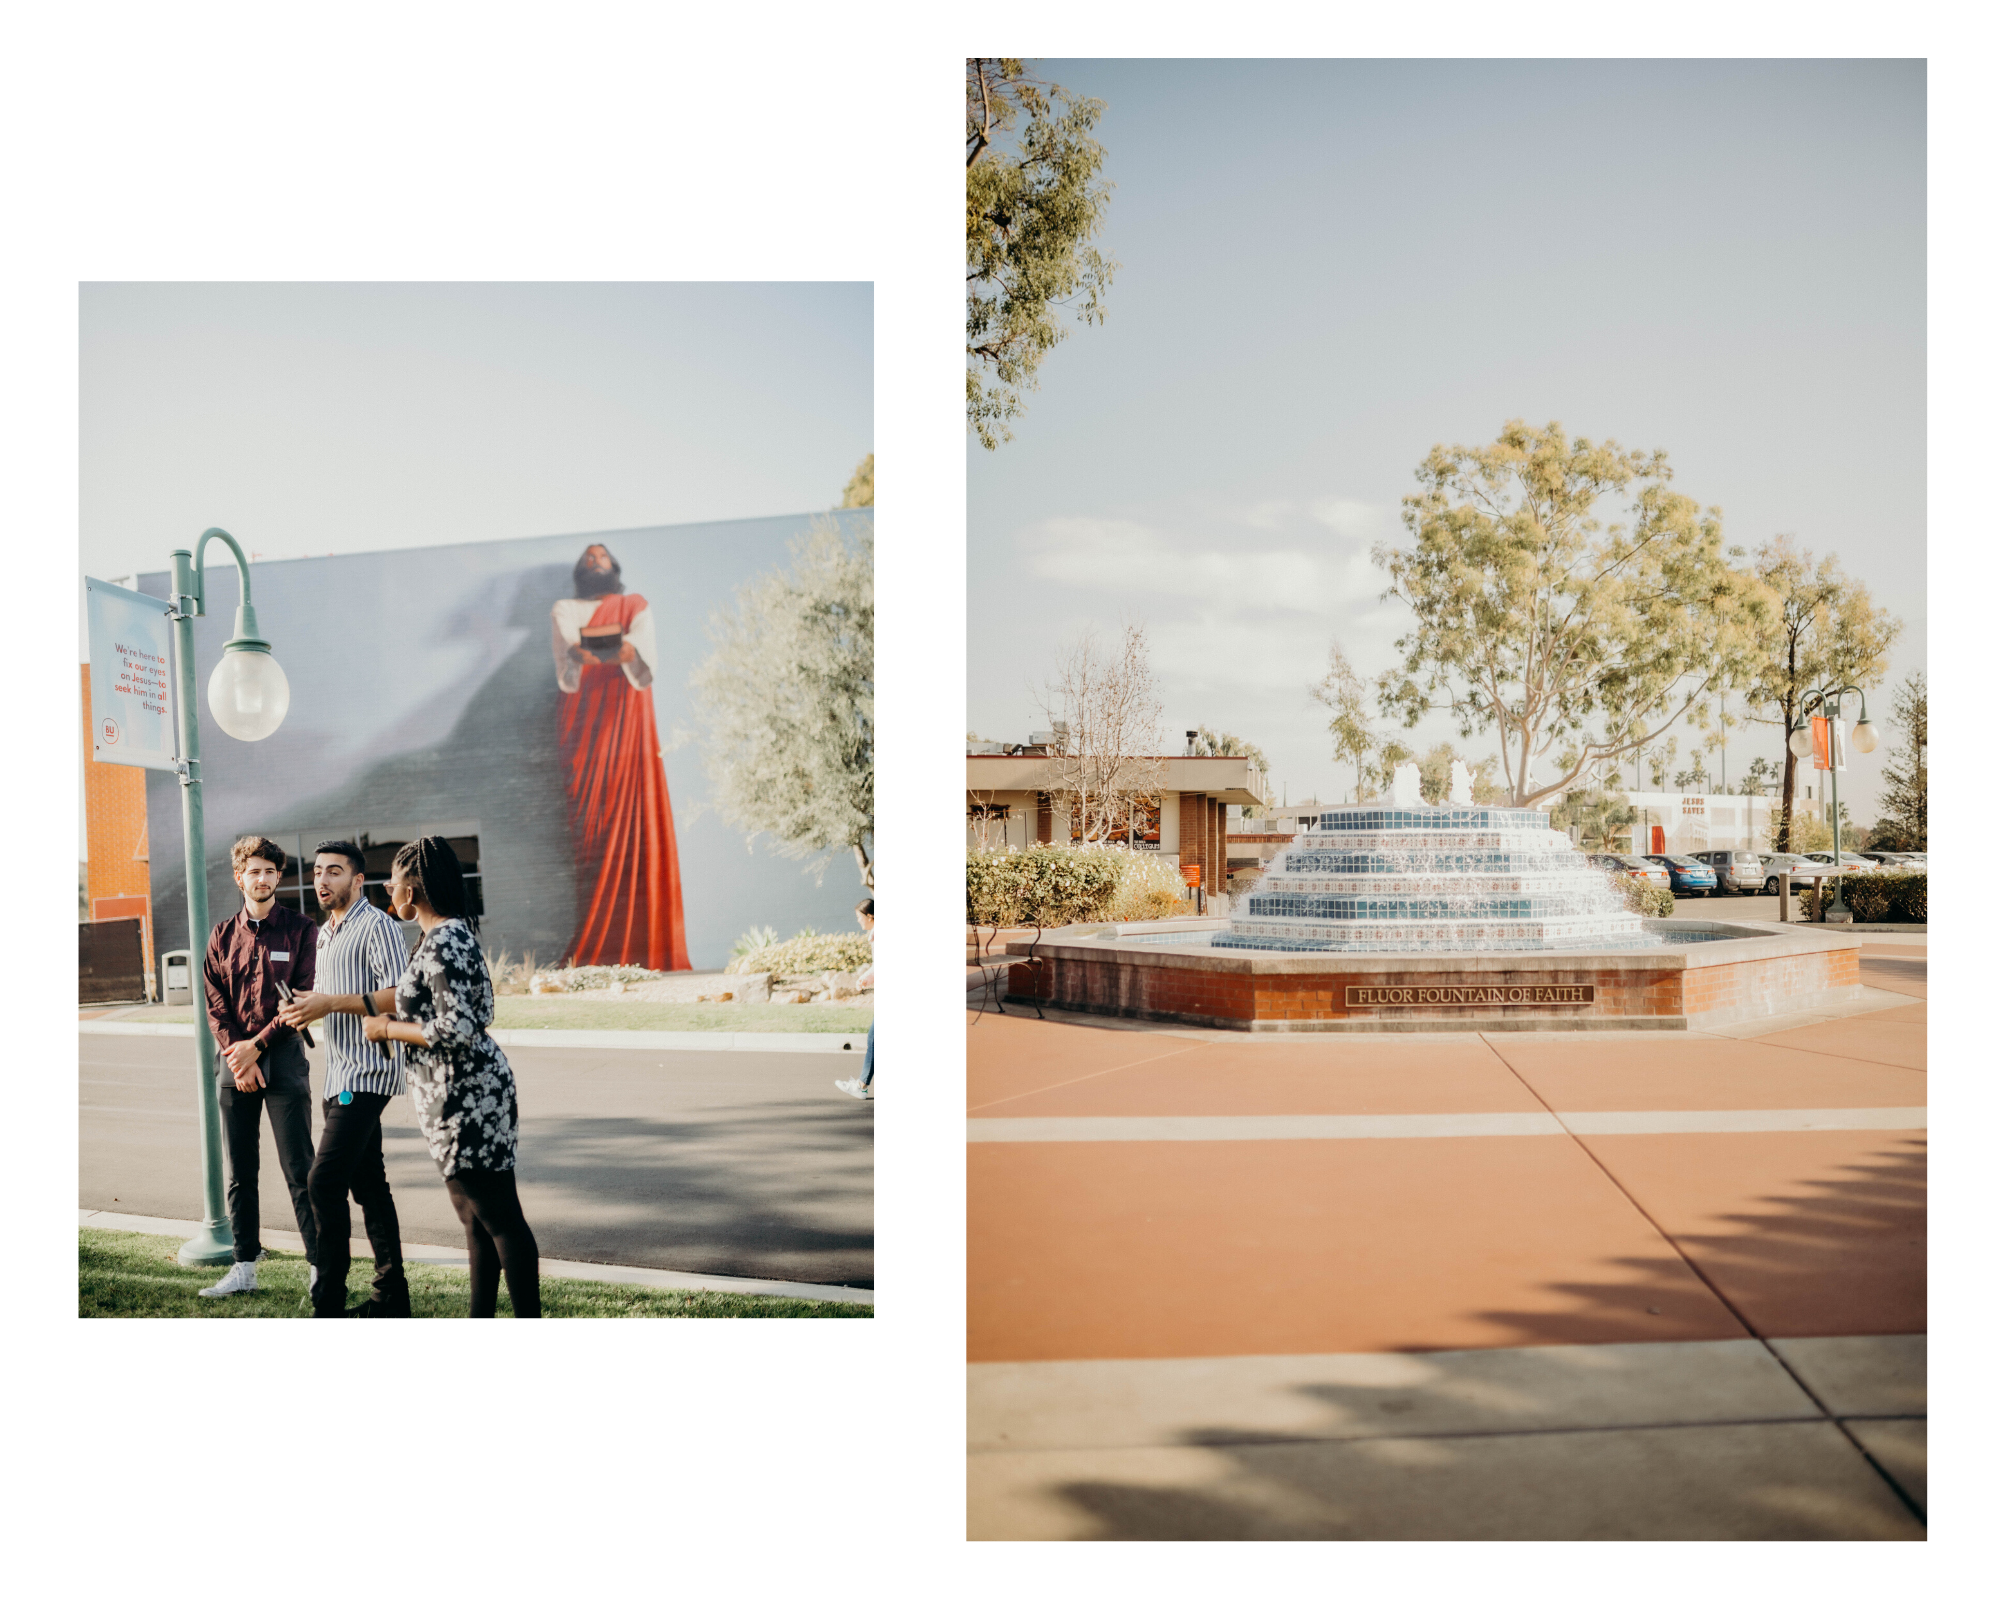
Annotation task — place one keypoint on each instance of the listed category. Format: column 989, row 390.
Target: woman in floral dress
column 459, row 1080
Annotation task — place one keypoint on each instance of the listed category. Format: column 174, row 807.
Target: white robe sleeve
column 645, row 646
column 568, row 672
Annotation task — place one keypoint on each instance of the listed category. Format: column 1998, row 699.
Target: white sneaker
column 240, row 1279
column 853, row 1086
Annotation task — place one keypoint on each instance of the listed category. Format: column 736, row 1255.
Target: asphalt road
column 729, row 1162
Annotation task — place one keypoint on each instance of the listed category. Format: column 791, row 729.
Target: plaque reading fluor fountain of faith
column 1472, row 994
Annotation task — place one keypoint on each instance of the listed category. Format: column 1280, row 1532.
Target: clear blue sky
column 1327, row 268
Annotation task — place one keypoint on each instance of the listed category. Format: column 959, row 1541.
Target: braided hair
column 432, row 865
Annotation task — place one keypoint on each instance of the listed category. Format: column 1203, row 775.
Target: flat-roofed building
column 1014, row 799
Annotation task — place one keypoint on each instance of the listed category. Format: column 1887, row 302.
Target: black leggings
column 497, row 1239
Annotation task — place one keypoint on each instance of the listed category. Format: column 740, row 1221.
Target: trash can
column 176, row 978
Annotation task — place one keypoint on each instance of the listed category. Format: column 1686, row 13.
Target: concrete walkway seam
column 1469, row 1125
column 439, row 1255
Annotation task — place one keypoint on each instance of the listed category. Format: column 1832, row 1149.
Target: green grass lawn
column 539, row 1011
column 137, row 1275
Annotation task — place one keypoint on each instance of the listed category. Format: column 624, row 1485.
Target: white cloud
column 1268, row 515
column 1355, row 518
column 1131, row 558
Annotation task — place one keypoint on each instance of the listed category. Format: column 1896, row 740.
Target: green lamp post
column 1827, row 701
column 248, row 696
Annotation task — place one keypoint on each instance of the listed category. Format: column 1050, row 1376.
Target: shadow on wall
column 497, row 761
column 1856, row 1241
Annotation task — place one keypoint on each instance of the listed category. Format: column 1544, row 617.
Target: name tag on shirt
column 281, row 955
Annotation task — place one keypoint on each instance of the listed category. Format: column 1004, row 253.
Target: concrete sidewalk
column 1631, row 1286
column 438, row 1255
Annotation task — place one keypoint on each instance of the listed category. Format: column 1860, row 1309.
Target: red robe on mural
column 628, row 879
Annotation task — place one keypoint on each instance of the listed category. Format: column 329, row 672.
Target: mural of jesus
column 628, row 879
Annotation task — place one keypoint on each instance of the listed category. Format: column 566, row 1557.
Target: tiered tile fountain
column 1410, row 917
column 1406, row 876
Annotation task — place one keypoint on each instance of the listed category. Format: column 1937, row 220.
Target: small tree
column 1904, row 823
column 1434, row 776
column 1390, row 753
column 860, row 490
column 1597, row 815
column 1108, row 756
column 1343, row 693
column 1533, row 619
column 786, row 701
column 1033, row 202
column 1825, row 628
column 1759, row 779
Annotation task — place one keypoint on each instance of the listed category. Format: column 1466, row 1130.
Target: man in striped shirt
column 361, row 952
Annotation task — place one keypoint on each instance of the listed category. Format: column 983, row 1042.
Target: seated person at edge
column 460, row 1084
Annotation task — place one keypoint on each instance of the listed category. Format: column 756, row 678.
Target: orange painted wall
column 114, row 810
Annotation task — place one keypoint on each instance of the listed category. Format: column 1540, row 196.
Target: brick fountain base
column 1751, row 973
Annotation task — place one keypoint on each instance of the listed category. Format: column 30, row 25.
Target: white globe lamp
column 247, row 692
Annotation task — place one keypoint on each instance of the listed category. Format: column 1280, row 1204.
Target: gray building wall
column 424, row 699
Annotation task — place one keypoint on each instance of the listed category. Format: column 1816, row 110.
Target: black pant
column 350, row 1158
column 287, row 1092
column 497, row 1239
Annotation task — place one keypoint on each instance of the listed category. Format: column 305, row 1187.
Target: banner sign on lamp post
column 131, row 665
column 1829, row 737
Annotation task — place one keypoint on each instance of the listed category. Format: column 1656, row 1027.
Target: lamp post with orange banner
column 1819, row 736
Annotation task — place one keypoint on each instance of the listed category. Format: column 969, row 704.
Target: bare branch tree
column 1107, row 710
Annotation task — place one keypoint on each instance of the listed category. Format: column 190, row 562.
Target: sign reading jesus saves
column 1473, row 994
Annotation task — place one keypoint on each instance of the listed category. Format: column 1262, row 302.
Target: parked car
column 1736, row 871
column 1848, row 861
column 1894, row 860
column 1797, row 866
column 1632, row 867
column 1689, row 875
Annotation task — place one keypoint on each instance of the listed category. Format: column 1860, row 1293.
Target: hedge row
column 1047, row 886
column 1886, row 896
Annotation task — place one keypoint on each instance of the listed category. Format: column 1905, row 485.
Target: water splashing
column 1398, row 878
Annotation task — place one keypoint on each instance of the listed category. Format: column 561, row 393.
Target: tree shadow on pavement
column 783, row 1190
column 1479, row 1470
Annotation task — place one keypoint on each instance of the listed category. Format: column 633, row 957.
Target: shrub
column 1162, row 903
column 1887, row 896
column 1047, row 886
column 808, row 952
column 1648, row 899
column 1149, row 887
column 750, row 940
column 570, row 980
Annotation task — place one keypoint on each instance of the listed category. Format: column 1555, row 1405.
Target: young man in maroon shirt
column 263, row 945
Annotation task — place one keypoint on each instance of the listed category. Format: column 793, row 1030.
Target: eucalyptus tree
column 1033, row 203
column 1343, row 692
column 1564, row 635
column 1826, row 628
